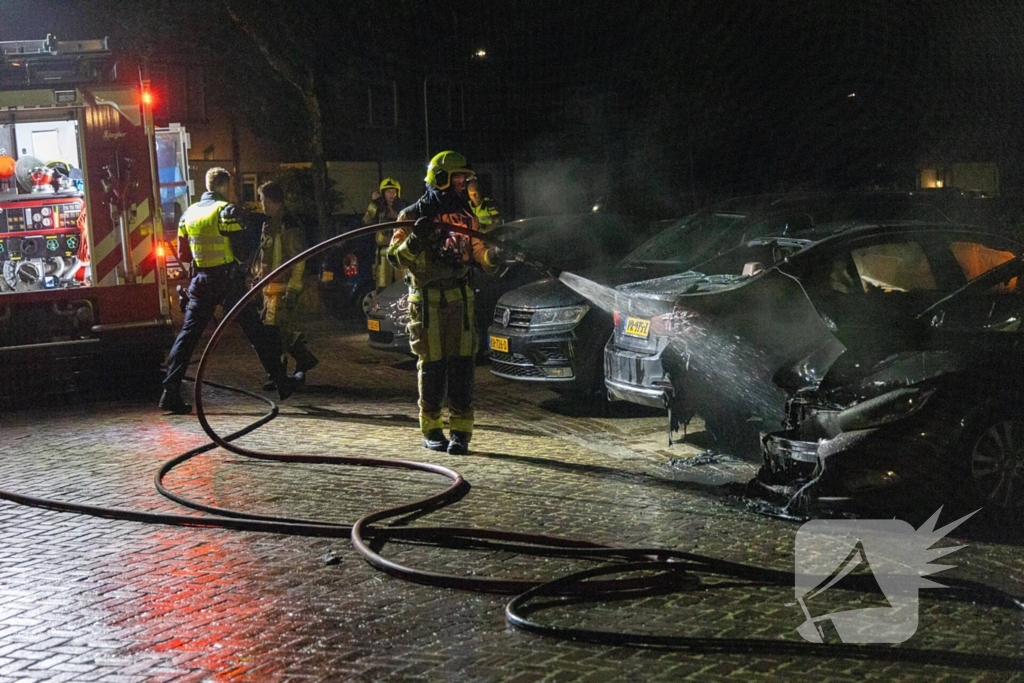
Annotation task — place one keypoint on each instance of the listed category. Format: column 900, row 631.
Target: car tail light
column 351, row 265
column 616, row 319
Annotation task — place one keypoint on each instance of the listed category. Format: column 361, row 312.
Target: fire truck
column 84, row 298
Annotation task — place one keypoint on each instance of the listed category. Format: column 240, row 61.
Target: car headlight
column 882, row 410
column 564, row 315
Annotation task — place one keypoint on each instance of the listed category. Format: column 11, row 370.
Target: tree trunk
column 319, row 163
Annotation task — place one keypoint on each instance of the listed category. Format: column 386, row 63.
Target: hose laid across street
column 645, row 571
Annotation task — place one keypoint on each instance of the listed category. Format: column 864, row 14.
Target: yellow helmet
column 443, row 166
column 390, row 184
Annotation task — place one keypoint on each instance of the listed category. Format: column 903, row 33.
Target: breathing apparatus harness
column 646, row 571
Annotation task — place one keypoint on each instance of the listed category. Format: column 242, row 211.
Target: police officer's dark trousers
column 223, row 285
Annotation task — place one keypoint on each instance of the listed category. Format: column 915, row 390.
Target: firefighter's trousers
column 384, row 273
column 442, row 334
column 209, row 287
column 275, row 314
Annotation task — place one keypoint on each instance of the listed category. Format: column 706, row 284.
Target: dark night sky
column 744, row 94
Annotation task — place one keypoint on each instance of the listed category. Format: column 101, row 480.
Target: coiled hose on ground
column 646, row 571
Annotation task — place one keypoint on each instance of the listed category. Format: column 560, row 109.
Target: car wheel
column 366, row 300
column 996, row 462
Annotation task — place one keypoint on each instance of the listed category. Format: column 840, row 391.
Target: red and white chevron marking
column 106, row 252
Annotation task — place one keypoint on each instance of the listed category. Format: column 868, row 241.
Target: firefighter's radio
column 40, row 243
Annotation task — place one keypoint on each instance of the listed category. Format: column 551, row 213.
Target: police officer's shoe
column 172, row 402
column 435, row 441
column 459, row 445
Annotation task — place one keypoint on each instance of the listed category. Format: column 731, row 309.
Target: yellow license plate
column 326, row 276
column 635, row 327
column 373, row 325
column 499, row 344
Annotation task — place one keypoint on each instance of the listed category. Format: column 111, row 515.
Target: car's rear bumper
column 622, row 391
column 636, row 377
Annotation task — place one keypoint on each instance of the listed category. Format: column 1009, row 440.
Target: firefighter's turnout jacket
column 280, row 240
column 442, row 329
column 379, row 211
column 488, row 214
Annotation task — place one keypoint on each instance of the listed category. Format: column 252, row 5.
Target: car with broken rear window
column 917, row 399
column 709, row 341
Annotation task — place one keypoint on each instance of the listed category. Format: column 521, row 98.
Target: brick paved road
column 87, row 599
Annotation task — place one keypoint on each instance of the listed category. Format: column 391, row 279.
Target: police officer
column 280, row 240
column 441, row 322
column 385, row 205
column 208, row 235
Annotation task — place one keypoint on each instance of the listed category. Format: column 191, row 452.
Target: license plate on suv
column 637, row 327
column 499, row 344
column 372, row 325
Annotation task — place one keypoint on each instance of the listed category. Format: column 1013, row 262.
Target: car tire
column 364, row 300
column 994, row 464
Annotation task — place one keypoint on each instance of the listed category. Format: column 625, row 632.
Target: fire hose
column 647, row 571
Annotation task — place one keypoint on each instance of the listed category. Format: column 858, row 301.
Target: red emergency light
column 147, row 98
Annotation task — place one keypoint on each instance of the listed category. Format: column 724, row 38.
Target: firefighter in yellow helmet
column 385, row 204
column 486, row 210
column 442, row 328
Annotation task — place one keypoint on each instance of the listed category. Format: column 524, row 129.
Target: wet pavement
column 90, row 599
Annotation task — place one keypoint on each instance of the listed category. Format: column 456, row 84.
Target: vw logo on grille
column 505, row 317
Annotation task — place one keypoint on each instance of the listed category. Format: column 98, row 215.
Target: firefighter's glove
column 421, row 231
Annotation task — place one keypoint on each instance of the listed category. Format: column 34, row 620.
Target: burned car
column 546, row 332
column 918, row 400
column 573, row 241
column 717, row 341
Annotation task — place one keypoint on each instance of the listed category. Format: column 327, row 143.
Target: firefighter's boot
column 172, row 402
column 269, row 384
column 435, row 441
column 459, row 444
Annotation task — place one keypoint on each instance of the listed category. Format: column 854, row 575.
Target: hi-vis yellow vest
column 202, row 225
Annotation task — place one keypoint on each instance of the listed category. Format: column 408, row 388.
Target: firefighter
column 209, row 233
column 281, row 239
column 486, row 210
column 385, row 205
column 441, row 322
